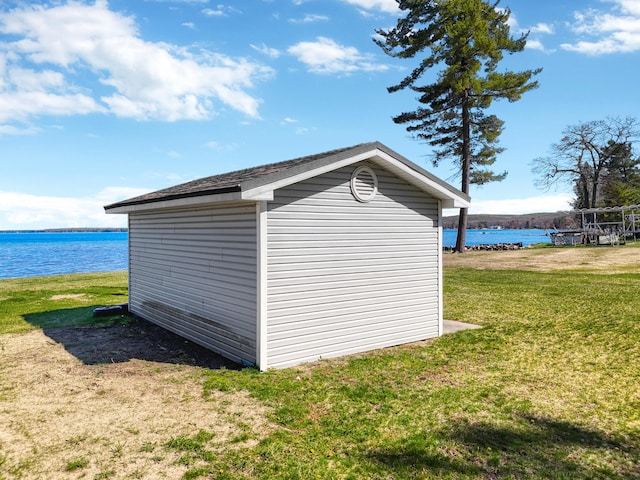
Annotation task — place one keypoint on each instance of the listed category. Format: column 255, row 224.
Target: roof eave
column 195, row 200
column 455, row 204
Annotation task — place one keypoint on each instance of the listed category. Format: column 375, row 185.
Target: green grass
column 549, row 388
column 76, row 464
column 58, row 301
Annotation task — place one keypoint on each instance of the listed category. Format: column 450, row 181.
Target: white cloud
column 220, row 11
column 22, row 105
column 51, row 50
column 268, row 51
column 516, row 206
column 13, row 130
column 288, row 121
column 388, row 6
column 617, row 31
column 533, row 40
column 628, row 6
column 220, row 147
column 171, row 177
column 179, row 1
column 309, row 18
column 542, row 28
column 325, row 56
column 304, row 130
column 512, row 22
column 210, row 12
column 535, row 44
column 21, row 211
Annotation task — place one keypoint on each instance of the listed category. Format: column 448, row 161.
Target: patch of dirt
column 69, row 296
column 87, row 402
column 603, row 259
column 135, row 340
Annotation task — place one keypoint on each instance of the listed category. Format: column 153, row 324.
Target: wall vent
column 364, row 184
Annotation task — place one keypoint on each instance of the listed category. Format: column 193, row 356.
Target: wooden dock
column 601, row 226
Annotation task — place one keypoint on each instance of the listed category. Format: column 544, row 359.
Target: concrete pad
column 452, row 326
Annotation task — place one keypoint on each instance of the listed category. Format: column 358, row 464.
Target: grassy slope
column 550, row 388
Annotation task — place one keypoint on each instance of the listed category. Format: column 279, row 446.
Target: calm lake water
column 37, row 254
column 481, row 237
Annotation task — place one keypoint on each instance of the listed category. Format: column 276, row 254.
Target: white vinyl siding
column 346, row 276
column 194, row 272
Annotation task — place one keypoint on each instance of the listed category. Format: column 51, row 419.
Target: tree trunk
column 461, row 239
column 586, row 203
column 466, row 172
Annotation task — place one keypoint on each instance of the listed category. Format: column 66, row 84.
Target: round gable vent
column 364, row 184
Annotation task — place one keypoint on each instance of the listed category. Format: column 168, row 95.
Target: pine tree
column 463, row 42
column 621, row 184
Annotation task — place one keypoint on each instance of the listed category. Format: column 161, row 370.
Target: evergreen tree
column 621, row 184
column 462, row 41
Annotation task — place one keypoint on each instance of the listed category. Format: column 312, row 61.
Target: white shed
column 310, row 258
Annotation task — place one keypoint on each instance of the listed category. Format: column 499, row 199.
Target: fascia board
column 449, row 198
column 178, row 203
column 258, row 195
column 454, row 204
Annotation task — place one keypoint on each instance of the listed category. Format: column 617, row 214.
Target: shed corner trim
column 261, row 285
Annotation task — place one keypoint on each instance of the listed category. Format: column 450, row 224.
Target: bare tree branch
column 582, row 158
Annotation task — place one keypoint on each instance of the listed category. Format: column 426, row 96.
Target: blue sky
column 101, row 101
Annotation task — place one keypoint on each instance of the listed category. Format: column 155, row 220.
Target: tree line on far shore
column 543, row 221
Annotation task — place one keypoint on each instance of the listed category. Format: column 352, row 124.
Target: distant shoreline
column 69, row 230
column 542, row 221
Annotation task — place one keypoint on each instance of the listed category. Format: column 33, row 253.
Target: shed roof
column 259, row 183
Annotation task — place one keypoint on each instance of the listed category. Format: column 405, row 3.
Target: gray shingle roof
column 241, row 180
column 225, row 182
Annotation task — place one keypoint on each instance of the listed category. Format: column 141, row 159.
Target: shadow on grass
column 121, row 338
column 534, row 448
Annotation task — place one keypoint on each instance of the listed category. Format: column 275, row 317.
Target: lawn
column 548, row 388
column 58, row 301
